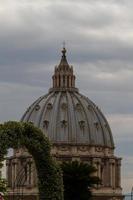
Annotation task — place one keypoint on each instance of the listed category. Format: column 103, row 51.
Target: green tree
column 78, row 180
column 20, row 134
column 3, row 186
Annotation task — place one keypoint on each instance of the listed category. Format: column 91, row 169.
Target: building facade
column 77, row 129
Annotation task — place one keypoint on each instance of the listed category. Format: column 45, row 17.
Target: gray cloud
column 99, row 38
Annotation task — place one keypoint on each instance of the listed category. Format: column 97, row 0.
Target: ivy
column 20, row 134
column 3, row 186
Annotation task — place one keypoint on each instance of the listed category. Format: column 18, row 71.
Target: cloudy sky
column 99, row 42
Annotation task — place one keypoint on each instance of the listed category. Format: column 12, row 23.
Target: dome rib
column 43, row 110
column 30, row 110
column 72, row 121
column 85, row 114
column 109, row 130
column 99, row 121
column 51, row 131
column 55, row 117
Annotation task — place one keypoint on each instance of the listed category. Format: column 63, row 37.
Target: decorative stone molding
column 78, row 106
column 63, row 123
column 83, row 148
column 89, row 107
column 45, row 124
column 49, row 106
column 99, row 149
column 64, row 148
column 64, row 106
column 82, row 124
column 96, row 125
column 37, row 107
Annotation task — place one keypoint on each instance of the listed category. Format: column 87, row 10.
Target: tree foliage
column 3, row 186
column 78, row 180
column 19, row 134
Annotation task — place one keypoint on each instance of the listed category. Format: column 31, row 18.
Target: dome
column 66, row 116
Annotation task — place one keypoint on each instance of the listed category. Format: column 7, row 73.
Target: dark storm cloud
column 31, row 33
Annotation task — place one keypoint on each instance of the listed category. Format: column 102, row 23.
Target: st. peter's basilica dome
column 77, row 130
column 66, row 116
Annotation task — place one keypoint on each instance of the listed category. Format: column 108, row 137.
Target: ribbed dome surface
column 69, row 117
column 66, row 116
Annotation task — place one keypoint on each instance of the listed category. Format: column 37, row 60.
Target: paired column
column 9, row 172
column 118, row 173
column 13, row 172
column 30, row 173
column 114, row 173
